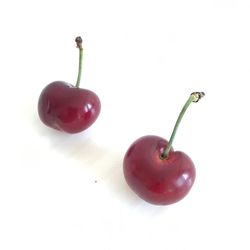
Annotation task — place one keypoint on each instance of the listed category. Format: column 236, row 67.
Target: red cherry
column 66, row 107
column 157, row 180
column 157, row 173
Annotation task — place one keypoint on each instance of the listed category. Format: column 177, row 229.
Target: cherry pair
column 152, row 169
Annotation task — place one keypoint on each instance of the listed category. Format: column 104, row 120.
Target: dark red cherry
column 66, row 107
column 157, row 180
column 157, row 173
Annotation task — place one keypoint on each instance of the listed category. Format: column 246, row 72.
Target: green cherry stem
column 194, row 97
column 78, row 41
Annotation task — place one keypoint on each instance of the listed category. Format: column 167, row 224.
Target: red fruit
column 68, row 108
column 157, row 173
column 156, row 180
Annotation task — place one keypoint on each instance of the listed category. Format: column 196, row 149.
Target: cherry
column 157, row 173
column 66, row 107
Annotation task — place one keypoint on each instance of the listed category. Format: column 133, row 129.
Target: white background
column 143, row 59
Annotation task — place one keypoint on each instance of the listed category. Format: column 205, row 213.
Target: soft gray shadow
column 79, row 146
column 115, row 181
column 105, row 164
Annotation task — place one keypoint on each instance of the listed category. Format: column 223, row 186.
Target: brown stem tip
column 197, row 96
column 78, row 41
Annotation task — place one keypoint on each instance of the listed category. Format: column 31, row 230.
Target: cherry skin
column 65, row 107
column 157, row 180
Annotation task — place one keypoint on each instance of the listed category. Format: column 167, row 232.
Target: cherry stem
column 78, row 41
column 194, row 97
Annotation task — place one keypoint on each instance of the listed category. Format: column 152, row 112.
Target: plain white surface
column 143, row 58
